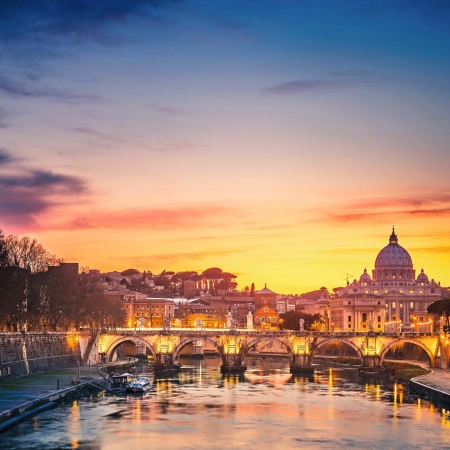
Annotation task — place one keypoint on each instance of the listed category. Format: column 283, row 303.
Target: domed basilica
column 406, row 297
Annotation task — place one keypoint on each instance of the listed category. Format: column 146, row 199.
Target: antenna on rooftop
column 348, row 277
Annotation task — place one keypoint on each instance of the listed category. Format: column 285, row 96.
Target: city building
column 406, row 297
column 266, row 314
column 152, row 312
column 189, row 288
column 266, row 318
column 357, row 312
column 265, row 297
column 63, row 268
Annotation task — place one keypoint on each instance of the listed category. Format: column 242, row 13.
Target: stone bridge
column 234, row 345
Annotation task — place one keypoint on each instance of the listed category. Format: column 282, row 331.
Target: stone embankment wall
column 24, row 354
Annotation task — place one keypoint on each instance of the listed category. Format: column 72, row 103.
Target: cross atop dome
column 393, row 238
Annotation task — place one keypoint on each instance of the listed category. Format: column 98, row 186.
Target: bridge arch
column 431, row 356
column 190, row 340
column 332, row 340
column 114, row 345
column 260, row 339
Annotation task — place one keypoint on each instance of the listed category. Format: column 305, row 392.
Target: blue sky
column 227, row 125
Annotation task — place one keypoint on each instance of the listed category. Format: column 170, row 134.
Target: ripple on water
column 201, row 410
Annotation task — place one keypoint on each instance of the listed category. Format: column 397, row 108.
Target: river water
column 200, row 409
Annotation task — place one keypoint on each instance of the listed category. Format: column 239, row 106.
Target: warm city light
column 224, row 224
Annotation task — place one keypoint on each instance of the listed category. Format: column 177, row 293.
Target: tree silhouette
column 442, row 308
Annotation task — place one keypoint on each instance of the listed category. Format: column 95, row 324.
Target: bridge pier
column 164, row 364
column 371, row 364
column 302, row 364
column 232, row 363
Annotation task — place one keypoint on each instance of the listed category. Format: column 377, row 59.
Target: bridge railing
column 245, row 332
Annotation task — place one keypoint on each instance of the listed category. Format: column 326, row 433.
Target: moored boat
column 144, row 381
column 142, row 384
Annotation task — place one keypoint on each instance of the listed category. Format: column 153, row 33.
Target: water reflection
column 266, row 407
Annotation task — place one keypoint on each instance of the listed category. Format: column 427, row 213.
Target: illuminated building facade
column 406, row 297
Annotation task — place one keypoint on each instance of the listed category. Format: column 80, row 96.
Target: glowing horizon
column 278, row 141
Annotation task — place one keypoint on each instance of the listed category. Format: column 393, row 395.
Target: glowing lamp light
column 231, row 349
column 164, row 348
column 301, row 349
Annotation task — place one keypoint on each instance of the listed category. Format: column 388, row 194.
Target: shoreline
column 434, row 385
column 21, row 412
column 32, row 394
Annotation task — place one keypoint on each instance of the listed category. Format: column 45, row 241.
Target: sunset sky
column 278, row 140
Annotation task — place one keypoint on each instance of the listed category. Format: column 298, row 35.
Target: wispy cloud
column 17, row 89
column 173, row 259
column 389, row 209
column 80, row 20
column 177, row 217
column 330, row 81
column 298, row 86
column 157, row 146
column 30, row 193
column 5, row 157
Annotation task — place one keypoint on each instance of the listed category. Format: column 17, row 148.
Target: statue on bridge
column 302, row 324
column 166, row 324
column 249, row 321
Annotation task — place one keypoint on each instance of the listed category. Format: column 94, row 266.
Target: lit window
column 393, row 304
column 421, row 292
column 386, row 291
column 411, row 304
column 401, row 291
column 411, row 291
column 375, row 291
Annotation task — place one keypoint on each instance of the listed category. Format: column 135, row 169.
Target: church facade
column 405, row 296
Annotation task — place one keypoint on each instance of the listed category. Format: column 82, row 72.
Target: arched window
column 364, row 317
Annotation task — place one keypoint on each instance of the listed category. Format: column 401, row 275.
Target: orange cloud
column 378, row 210
column 156, row 218
column 173, row 259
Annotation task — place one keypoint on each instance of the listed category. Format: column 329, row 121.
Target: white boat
column 142, row 384
column 143, row 380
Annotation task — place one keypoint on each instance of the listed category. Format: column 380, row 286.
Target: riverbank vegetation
column 393, row 370
column 397, row 371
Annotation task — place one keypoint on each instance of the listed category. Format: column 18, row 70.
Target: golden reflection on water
column 373, row 390
column 330, row 381
column 74, row 425
column 136, row 411
column 263, row 408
